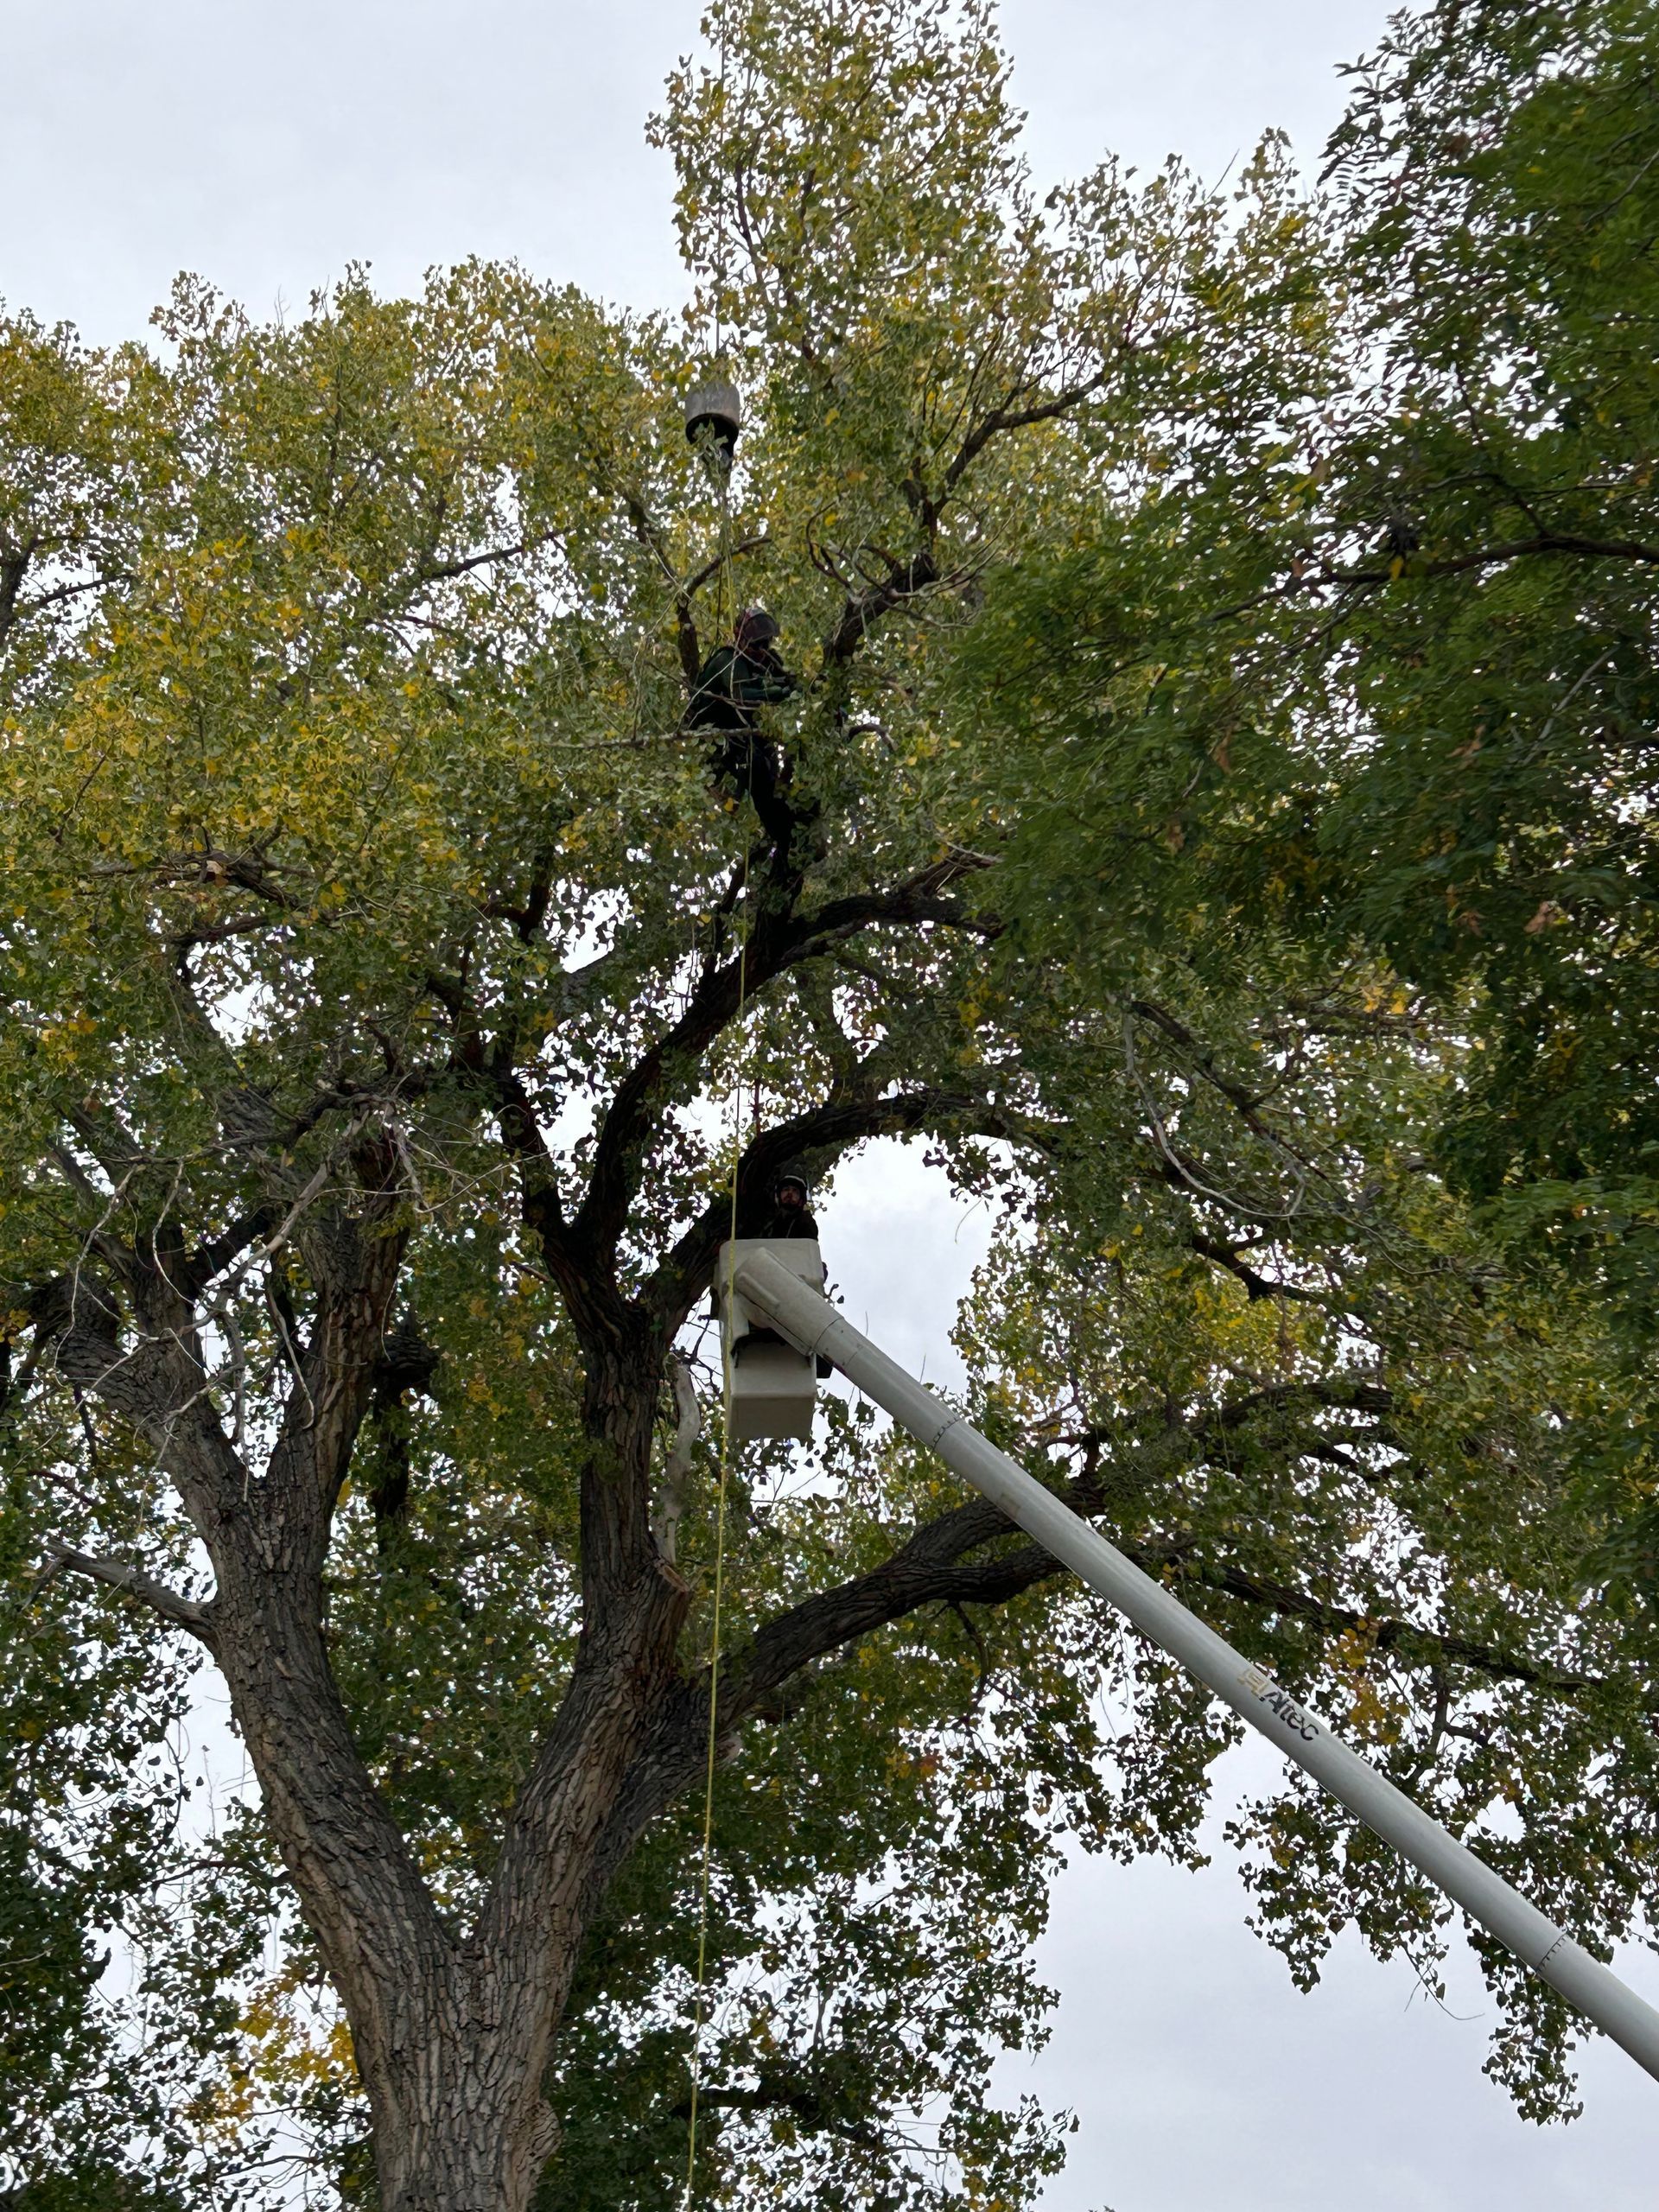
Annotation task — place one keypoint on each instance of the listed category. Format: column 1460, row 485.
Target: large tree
column 402, row 1010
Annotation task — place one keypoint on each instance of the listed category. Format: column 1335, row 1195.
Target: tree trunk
column 462, row 2130
column 453, row 2034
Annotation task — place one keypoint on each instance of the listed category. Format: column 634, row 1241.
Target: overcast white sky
column 266, row 147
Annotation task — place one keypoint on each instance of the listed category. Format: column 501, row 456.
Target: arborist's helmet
column 755, row 628
column 789, row 1182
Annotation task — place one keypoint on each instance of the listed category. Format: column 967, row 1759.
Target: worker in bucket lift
column 791, row 1216
column 733, row 683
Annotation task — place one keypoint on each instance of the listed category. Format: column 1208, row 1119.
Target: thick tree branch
column 935, row 1567
column 865, row 609
column 932, row 1567
column 355, row 1260
column 14, row 567
column 183, row 1612
column 1255, row 1285
column 155, row 1381
column 820, row 2105
column 528, row 918
column 1385, row 1635
column 670, row 1487
column 778, row 943
column 686, row 1270
column 1486, row 556
column 438, row 573
column 1205, row 1061
column 248, row 871
column 215, row 1253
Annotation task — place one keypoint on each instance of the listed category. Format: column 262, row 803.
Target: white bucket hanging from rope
column 713, row 418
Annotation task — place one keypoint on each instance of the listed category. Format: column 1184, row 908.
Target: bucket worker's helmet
column 755, row 626
column 789, row 1180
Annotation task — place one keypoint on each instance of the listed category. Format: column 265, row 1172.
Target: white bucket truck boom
column 773, row 1280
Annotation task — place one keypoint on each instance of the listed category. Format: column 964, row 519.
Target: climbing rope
column 724, row 595
column 719, row 1593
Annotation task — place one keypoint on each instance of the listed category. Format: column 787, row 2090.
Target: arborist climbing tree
column 732, row 687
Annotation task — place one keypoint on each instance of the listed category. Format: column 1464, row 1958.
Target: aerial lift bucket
column 770, row 1386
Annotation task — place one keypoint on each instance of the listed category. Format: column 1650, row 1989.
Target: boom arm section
column 812, row 1325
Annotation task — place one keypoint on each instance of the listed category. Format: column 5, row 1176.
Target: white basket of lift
column 770, row 1387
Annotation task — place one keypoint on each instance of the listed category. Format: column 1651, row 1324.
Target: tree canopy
column 1212, row 819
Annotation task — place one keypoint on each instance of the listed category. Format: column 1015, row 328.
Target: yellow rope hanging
column 720, row 1578
column 724, row 593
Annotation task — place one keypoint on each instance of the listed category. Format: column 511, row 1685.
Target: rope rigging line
column 719, row 1594
column 724, row 596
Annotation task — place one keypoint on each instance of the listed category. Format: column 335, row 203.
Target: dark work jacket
column 799, row 1223
column 731, row 684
